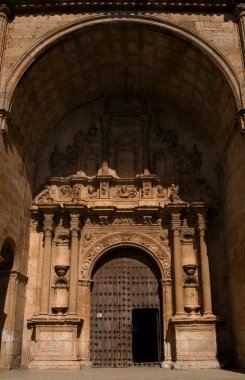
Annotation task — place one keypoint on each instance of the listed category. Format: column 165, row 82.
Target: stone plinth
column 55, row 342
column 195, row 342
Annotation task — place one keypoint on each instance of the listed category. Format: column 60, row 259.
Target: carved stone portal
column 86, row 218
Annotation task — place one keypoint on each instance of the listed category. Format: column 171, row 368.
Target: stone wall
column 234, row 222
column 14, row 223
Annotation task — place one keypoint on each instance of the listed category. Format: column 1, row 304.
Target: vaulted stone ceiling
column 128, row 60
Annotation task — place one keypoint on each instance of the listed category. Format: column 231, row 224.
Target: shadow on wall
column 6, row 300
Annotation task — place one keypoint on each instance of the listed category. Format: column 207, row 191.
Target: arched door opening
column 126, row 310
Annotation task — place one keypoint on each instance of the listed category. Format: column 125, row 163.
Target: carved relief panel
column 131, row 141
column 125, row 141
column 83, row 156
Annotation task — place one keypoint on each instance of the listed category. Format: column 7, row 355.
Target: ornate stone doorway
column 125, row 284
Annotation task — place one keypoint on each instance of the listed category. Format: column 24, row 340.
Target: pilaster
column 178, row 270
column 240, row 13
column 5, row 16
column 206, row 286
column 74, row 222
column 45, row 291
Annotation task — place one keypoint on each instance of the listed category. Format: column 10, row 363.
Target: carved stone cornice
column 44, row 319
column 73, row 6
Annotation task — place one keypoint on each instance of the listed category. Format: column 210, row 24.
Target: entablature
column 106, row 199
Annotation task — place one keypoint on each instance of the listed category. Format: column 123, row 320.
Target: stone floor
column 122, row 374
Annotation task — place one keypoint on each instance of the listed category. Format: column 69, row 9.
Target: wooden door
column 123, row 280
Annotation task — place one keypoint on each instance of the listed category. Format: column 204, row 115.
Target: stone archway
column 158, row 253
column 53, row 37
column 81, row 188
column 136, row 239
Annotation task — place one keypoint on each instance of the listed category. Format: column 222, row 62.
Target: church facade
column 122, row 223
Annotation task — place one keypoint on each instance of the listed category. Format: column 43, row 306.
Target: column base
column 167, row 364
column 195, row 340
column 54, row 342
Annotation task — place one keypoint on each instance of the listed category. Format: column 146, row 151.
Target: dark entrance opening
column 145, row 335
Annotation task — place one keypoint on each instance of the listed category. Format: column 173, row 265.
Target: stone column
column 74, row 264
column 178, row 270
column 168, row 313
column 5, row 15
column 47, row 250
column 84, row 308
column 240, row 13
column 206, row 286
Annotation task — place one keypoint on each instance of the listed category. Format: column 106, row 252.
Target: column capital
column 74, row 223
column 48, row 224
column 175, row 221
column 166, row 282
column 201, row 222
column 85, row 283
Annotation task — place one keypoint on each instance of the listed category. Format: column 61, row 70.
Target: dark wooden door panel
column 122, row 281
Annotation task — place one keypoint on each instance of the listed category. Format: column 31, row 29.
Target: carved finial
column 174, row 196
column 106, row 170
